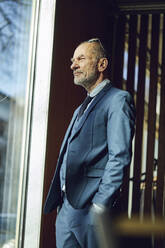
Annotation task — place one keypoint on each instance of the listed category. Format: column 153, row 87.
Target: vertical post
column 140, row 113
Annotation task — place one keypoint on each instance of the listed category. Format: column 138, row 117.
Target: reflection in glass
column 15, row 18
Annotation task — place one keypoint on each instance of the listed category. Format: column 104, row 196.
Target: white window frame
column 35, row 125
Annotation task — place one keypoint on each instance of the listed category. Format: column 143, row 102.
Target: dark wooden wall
column 76, row 21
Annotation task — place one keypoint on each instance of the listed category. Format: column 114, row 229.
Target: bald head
column 97, row 48
column 88, row 64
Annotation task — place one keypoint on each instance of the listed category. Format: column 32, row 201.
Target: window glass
column 15, row 22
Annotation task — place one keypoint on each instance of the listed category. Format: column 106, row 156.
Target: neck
column 98, row 81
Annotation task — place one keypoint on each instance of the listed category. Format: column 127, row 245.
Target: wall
column 76, row 21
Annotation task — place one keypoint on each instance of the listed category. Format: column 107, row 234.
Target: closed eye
column 79, row 58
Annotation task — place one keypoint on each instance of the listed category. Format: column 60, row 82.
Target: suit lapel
column 68, row 131
column 91, row 106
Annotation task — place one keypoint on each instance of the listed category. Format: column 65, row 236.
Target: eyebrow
column 80, row 56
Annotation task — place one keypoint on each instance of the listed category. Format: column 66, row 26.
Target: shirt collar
column 99, row 87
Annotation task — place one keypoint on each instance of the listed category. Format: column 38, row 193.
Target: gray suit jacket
column 99, row 150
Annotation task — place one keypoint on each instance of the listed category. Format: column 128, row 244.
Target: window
column 22, row 30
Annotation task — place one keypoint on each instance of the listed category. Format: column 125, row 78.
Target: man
column 95, row 151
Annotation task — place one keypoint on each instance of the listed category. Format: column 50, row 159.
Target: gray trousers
column 74, row 227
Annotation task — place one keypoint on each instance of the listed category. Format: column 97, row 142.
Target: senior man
column 96, row 149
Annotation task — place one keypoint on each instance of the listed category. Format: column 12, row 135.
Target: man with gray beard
column 96, row 149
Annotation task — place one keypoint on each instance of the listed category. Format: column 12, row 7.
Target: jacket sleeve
column 120, row 130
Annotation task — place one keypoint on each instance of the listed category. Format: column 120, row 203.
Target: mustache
column 77, row 72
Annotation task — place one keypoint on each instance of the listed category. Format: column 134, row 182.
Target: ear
column 102, row 64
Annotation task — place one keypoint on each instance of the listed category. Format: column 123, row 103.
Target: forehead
column 86, row 49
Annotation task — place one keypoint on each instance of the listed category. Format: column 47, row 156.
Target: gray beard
column 87, row 82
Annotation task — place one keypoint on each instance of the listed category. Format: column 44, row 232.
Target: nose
column 74, row 65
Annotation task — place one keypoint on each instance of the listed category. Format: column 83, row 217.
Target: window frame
column 33, row 153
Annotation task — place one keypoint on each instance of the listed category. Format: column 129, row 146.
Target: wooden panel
column 64, row 95
column 118, row 56
column 161, row 153
column 131, row 53
column 152, row 112
column 130, row 88
column 140, row 113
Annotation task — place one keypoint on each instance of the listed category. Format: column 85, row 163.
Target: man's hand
column 98, row 208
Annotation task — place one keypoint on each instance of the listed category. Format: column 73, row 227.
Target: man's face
column 84, row 65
